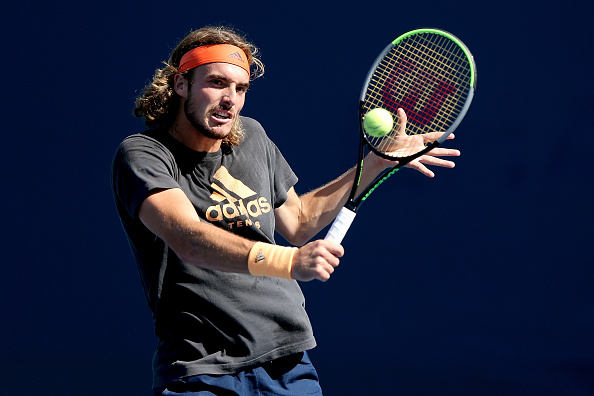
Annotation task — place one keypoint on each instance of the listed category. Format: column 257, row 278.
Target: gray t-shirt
column 211, row 322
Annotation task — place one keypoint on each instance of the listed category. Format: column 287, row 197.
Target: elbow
column 186, row 250
column 182, row 252
column 184, row 255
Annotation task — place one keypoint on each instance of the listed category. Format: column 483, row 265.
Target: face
column 215, row 98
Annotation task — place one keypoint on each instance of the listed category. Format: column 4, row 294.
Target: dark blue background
column 478, row 282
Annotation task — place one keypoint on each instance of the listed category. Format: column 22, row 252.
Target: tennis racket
column 431, row 75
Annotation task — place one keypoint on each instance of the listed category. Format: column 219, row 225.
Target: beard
column 202, row 126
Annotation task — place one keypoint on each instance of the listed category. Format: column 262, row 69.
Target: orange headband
column 225, row 53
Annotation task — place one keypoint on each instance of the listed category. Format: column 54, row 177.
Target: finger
column 334, row 248
column 329, row 259
column 434, row 161
column 322, row 276
column 403, row 121
column 416, row 165
column 444, row 152
column 323, row 271
column 433, row 136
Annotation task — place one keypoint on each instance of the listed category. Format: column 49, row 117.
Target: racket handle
column 340, row 225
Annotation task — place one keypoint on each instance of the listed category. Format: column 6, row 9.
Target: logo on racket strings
column 407, row 74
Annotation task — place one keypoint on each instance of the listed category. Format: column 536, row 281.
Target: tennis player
column 200, row 194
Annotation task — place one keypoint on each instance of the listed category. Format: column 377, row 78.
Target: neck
column 185, row 133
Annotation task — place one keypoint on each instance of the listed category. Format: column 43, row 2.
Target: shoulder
column 146, row 142
column 143, row 152
column 253, row 130
column 254, row 133
column 251, row 124
column 144, row 139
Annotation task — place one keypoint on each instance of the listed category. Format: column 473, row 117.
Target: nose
column 230, row 95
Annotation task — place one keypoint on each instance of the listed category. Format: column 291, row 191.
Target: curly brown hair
column 158, row 103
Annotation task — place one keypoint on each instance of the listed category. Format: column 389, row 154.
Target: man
column 200, row 195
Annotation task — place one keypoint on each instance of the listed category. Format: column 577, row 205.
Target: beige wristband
column 271, row 260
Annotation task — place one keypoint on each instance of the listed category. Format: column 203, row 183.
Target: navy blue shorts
column 291, row 376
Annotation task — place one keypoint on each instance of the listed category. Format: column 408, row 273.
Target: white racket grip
column 341, row 225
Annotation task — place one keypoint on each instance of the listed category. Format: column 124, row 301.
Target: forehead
column 230, row 72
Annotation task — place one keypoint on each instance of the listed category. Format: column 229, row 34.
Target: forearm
column 170, row 216
column 210, row 247
column 319, row 207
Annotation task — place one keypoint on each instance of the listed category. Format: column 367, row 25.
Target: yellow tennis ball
column 378, row 122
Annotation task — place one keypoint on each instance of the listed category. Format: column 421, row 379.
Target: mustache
column 225, row 109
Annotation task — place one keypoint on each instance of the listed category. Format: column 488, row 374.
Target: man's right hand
column 316, row 260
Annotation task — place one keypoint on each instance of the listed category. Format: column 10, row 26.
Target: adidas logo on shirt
column 242, row 205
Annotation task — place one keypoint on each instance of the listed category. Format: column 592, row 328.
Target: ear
column 180, row 85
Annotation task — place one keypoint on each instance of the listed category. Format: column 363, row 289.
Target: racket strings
column 450, row 61
column 428, row 76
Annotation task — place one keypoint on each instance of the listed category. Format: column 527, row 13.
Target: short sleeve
column 141, row 165
column 284, row 177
